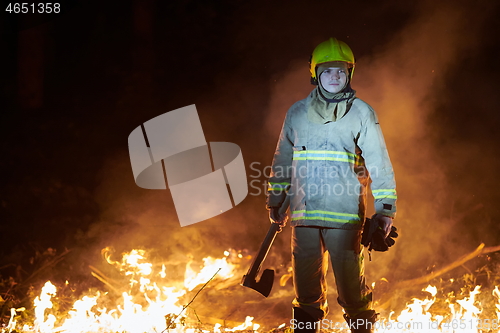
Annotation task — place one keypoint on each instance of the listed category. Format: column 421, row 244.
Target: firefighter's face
column 333, row 79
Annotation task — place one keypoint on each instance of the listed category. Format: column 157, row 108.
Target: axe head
column 264, row 285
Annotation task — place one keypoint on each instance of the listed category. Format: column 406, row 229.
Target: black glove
column 374, row 236
column 276, row 217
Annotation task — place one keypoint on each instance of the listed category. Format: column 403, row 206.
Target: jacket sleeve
column 281, row 170
column 374, row 151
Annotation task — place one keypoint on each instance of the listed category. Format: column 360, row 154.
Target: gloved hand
column 276, row 217
column 393, row 234
column 375, row 236
column 384, row 222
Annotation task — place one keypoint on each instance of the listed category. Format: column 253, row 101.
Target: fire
column 463, row 315
column 44, row 323
column 496, row 293
column 245, row 326
column 154, row 308
column 149, row 302
column 193, row 279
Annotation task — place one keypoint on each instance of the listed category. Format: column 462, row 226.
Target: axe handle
column 263, row 251
column 267, row 243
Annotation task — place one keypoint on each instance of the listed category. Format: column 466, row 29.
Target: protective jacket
column 326, row 167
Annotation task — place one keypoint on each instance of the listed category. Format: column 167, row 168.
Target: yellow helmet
column 328, row 51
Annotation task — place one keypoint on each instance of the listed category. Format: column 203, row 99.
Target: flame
column 211, row 266
column 11, row 326
column 151, row 304
column 496, row 293
column 154, row 308
column 246, row 325
column 464, row 315
column 44, row 323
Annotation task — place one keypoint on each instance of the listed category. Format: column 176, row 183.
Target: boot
column 303, row 322
column 363, row 322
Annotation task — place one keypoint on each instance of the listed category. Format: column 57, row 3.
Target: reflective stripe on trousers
column 310, row 264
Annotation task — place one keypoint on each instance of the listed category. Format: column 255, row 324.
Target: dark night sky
column 75, row 87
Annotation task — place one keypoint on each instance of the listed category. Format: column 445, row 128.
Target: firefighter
column 330, row 147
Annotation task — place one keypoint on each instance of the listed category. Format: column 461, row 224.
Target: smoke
column 405, row 80
column 134, row 217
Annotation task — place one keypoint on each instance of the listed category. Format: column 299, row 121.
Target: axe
column 265, row 284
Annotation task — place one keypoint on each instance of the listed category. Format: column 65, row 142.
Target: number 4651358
column 27, row 7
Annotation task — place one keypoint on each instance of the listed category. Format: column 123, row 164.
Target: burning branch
column 51, row 263
column 101, row 277
column 426, row 278
column 430, row 276
column 171, row 321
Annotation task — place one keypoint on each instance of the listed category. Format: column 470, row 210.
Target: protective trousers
column 310, row 248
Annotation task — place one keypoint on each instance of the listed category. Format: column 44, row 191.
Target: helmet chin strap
column 340, row 95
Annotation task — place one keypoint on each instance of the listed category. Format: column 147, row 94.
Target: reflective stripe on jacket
column 325, row 168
